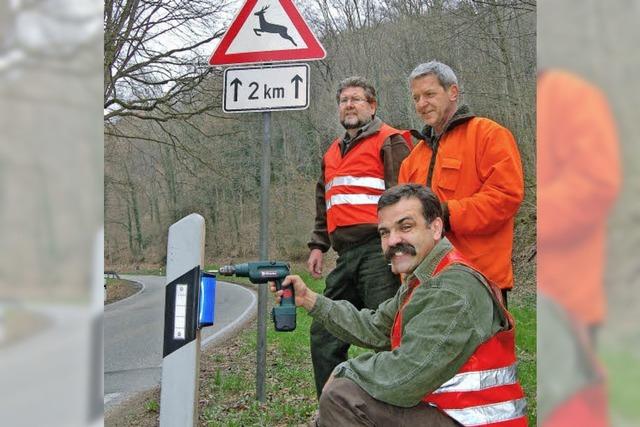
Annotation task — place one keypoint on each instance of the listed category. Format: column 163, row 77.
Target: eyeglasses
column 345, row 101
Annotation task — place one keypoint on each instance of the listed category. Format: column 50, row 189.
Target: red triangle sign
column 267, row 31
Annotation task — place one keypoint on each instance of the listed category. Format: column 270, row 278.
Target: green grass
column 152, row 406
column 525, row 318
column 229, row 388
column 623, row 376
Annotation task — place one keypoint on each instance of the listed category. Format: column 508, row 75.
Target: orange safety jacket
column 485, row 391
column 579, row 178
column 478, row 173
column 355, row 181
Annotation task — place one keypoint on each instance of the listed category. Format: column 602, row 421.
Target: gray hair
column 444, row 73
column 357, row 81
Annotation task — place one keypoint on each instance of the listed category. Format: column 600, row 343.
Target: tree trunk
column 170, row 177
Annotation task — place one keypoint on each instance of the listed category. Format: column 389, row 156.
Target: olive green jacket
column 447, row 318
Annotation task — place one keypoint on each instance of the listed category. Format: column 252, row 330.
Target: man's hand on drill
column 305, row 297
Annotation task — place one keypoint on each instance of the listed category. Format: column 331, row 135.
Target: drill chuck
column 227, row 270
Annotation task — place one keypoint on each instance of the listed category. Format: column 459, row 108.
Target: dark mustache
column 400, row 247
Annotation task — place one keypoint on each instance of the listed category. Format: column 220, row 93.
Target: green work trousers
column 363, row 277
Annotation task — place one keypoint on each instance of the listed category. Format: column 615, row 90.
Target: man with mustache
column 473, row 165
column 445, row 350
column 356, row 169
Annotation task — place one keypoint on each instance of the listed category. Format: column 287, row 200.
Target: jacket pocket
column 449, row 174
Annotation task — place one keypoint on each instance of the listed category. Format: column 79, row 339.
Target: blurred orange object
column 578, row 172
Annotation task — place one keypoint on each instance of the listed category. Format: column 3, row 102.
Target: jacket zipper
column 434, row 149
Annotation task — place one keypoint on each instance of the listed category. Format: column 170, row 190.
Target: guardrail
column 111, row 275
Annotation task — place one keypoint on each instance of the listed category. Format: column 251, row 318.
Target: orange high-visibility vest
column 587, row 408
column 354, row 183
column 485, row 391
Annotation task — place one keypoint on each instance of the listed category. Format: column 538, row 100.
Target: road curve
column 133, row 334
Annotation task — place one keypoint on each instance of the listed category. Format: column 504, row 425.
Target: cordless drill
column 284, row 315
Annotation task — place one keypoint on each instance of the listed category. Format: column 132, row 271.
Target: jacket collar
column 373, row 127
column 424, row 271
column 462, row 114
column 367, row 130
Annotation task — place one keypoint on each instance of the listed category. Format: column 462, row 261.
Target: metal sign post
column 263, row 32
column 265, row 182
column 181, row 350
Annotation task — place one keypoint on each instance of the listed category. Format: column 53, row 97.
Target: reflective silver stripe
column 352, row 199
column 366, row 181
column 487, row 414
column 479, row 380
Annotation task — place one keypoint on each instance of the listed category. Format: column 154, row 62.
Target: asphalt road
column 133, row 334
column 47, row 379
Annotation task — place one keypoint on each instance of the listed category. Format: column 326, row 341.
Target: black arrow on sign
column 235, row 83
column 296, row 80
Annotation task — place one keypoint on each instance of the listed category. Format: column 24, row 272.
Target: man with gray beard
column 356, row 169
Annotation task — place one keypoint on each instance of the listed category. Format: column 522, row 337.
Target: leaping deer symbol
column 267, row 27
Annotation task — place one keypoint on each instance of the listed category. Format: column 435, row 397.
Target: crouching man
column 445, row 350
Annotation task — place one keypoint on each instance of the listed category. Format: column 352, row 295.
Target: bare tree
column 181, row 162
column 154, row 57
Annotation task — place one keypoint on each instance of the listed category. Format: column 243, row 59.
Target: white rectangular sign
column 180, row 312
column 266, row 88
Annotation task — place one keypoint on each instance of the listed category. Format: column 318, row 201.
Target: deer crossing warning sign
column 267, row 31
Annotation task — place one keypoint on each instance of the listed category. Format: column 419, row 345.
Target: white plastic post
column 181, row 362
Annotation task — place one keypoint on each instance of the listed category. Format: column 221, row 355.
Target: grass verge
column 525, row 318
column 622, row 369
column 118, row 289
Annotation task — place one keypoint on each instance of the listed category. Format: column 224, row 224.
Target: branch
column 145, row 79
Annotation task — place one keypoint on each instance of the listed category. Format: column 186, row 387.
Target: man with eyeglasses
column 356, row 169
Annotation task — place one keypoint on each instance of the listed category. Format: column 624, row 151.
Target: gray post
column 181, row 352
column 265, row 182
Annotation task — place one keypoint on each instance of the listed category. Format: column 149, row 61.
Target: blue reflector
column 207, row 303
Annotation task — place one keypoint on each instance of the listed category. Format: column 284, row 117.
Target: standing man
column 356, row 169
column 445, row 344
column 579, row 179
column 473, row 165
